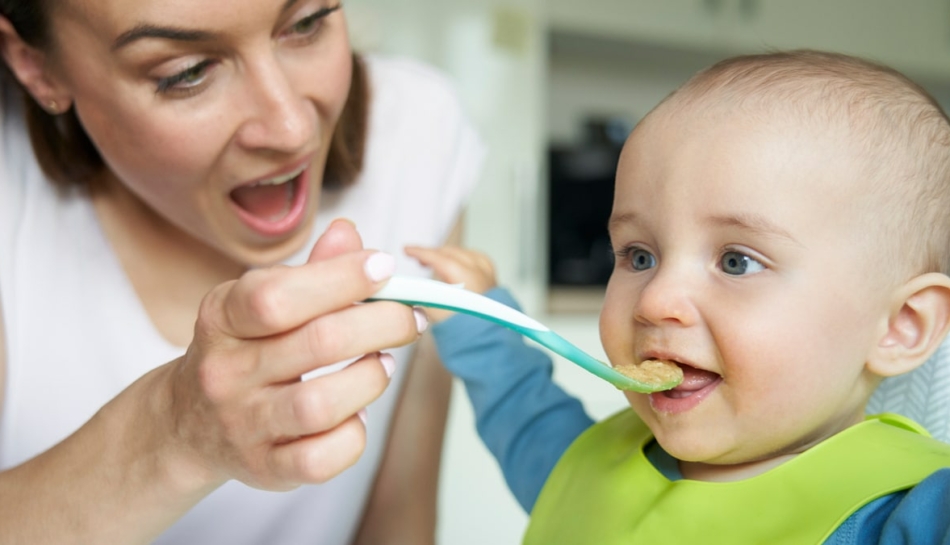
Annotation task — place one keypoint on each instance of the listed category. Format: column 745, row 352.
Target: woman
column 153, row 338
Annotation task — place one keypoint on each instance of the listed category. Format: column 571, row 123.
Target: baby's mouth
column 694, row 380
column 270, row 200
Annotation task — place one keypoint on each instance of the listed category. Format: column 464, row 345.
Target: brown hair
column 68, row 157
column 900, row 130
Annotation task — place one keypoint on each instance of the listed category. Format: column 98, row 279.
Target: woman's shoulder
column 409, row 75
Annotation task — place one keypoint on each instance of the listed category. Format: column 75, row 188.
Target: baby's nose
column 666, row 298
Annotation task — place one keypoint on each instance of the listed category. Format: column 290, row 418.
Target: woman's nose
column 667, row 298
column 278, row 117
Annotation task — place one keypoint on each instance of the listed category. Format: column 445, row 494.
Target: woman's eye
column 737, row 264
column 185, row 80
column 306, row 25
column 310, row 25
column 642, row 260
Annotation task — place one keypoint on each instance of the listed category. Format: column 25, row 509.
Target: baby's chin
column 699, row 471
column 702, row 461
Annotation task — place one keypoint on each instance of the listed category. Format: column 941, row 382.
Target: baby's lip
column 658, row 355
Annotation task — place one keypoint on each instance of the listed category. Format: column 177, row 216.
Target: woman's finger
column 267, row 302
column 340, row 237
column 352, row 332
column 318, row 458
column 321, row 404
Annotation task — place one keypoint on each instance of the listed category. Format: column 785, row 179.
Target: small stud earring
column 53, row 107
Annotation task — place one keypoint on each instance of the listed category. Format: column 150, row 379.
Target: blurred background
column 554, row 87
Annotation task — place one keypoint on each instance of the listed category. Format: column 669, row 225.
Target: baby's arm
column 524, row 419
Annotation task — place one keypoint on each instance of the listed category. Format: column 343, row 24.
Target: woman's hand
column 238, row 403
column 456, row 265
column 233, row 407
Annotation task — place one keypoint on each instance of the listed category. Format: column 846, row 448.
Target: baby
column 781, row 226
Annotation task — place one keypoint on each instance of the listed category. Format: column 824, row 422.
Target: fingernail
column 389, row 363
column 379, row 266
column 362, row 414
column 422, row 321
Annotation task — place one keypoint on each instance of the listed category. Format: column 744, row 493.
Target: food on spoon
column 652, row 372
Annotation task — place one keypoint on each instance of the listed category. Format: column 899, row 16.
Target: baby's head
column 781, row 233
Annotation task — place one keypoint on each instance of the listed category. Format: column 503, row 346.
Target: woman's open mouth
column 273, row 206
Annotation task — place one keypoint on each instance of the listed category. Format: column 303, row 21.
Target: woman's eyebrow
column 165, row 33
column 143, row 31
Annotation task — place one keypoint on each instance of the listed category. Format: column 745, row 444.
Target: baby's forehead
column 760, row 145
column 796, row 104
column 820, row 91
column 723, row 149
column 871, row 124
column 748, row 121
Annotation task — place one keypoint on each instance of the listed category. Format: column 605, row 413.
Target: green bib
column 604, row 491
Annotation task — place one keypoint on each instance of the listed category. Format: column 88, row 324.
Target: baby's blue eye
column 738, row 264
column 642, row 260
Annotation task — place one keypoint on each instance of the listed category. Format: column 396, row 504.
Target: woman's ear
column 29, row 66
column 917, row 323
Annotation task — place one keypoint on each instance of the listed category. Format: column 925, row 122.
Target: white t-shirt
column 77, row 335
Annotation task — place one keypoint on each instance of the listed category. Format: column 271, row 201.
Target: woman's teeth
column 280, row 179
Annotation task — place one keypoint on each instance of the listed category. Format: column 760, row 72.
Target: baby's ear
column 918, row 322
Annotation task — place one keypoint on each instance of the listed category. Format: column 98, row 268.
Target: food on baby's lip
column 652, row 372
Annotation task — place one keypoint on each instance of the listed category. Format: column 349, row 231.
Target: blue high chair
column 923, row 394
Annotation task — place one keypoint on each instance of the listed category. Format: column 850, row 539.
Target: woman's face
column 217, row 114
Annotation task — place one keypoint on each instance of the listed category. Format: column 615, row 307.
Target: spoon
column 651, row 376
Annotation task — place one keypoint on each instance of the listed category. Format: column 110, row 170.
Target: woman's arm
column 3, row 358
column 411, row 464
column 113, row 481
column 402, row 508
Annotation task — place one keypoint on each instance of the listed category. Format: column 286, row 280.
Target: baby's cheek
column 617, row 344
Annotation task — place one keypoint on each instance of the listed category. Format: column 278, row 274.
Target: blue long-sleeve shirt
column 527, row 422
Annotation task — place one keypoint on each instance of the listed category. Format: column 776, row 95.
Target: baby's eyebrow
column 754, row 223
column 619, row 220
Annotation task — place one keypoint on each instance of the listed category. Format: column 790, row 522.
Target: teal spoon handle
column 432, row 293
